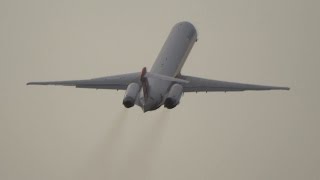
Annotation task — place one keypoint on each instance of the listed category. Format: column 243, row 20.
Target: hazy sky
column 49, row 132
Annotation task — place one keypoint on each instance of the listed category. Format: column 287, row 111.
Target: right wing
column 203, row 85
column 119, row 82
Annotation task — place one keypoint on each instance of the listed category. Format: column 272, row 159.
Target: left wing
column 203, row 85
column 109, row 82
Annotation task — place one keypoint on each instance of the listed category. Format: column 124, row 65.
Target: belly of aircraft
column 157, row 93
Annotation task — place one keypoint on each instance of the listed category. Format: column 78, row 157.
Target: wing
column 109, row 82
column 200, row 85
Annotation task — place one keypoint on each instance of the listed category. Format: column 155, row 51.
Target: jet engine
column 131, row 95
column 174, row 96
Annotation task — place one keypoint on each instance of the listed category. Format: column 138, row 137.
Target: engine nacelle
column 174, row 96
column 131, row 95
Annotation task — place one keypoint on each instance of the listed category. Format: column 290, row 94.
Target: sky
column 51, row 132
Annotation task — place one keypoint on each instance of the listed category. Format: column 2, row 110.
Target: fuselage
column 169, row 63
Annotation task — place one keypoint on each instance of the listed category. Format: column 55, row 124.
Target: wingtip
column 281, row 88
column 31, row 83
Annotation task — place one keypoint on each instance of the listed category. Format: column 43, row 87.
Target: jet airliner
column 163, row 84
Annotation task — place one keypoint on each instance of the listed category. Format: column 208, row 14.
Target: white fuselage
column 169, row 63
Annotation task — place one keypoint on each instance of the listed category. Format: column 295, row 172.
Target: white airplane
column 164, row 84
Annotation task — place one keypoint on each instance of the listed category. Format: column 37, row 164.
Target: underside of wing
column 203, row 85
column 109, row 82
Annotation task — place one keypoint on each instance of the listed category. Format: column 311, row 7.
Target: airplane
column 163, row 84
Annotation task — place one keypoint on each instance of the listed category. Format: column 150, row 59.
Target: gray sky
column 67, row 133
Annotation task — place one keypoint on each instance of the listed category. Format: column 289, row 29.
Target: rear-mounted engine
column 174, row 96
column 131, row 95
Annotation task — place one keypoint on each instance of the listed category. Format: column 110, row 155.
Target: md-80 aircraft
column 164, row 84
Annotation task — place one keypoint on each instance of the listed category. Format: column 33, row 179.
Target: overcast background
column 49, row 132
